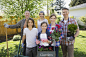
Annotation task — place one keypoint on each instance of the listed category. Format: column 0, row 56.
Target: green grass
column 12, row 46
column 79, row 47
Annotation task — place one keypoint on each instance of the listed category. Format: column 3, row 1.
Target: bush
column 83, row 19
column 79, row 21
column 16, row 37
column 58, row 19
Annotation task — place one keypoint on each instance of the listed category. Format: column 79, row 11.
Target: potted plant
column 71, row 29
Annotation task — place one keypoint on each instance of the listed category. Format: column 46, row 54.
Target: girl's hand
column 37, row 41
column 44, row 40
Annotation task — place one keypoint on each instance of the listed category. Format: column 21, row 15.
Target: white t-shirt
column 39, row 24
column 43, row 36
column 65, row 21
column 30, row 37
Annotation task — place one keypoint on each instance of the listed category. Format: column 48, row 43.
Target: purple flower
column 40, row 47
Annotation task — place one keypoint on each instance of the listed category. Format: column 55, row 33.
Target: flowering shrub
column 16, row 37
column 43, row 48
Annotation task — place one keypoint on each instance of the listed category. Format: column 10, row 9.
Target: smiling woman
column 42, row 19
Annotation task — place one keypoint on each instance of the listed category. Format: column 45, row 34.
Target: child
column 30, row 34
column 43, row 36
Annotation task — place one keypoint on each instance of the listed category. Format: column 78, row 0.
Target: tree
column 18, row 7
column 76, row 2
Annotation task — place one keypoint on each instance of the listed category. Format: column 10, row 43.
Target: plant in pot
column 71, row 30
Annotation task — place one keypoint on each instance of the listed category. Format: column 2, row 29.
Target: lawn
column 79, row 47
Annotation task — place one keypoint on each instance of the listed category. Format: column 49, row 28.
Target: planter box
column 45, row 53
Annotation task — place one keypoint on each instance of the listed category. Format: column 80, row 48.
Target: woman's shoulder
column 38, row 19
column 46, row 19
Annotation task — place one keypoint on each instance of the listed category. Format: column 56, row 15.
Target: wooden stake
column 7, row 44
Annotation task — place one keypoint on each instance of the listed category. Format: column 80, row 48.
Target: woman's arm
column 61, row 34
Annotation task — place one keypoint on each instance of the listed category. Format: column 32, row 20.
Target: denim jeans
column 57, row 51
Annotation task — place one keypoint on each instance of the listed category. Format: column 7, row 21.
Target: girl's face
column 53, row 19
column 44, row 26
column 30, row 23
column 41, row 15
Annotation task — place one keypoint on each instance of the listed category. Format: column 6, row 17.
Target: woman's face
column 41, row 15
column 30, row 23
column 44, row 26
column 53, row 19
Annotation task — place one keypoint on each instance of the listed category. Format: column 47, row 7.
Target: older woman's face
column 41, row 15
column 53, row 19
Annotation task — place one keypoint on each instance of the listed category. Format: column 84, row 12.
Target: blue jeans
column 57, row 51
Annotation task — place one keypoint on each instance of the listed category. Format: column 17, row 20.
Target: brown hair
column 31, row 20
column 44, row 23
column 65, row 9
column 53, row 15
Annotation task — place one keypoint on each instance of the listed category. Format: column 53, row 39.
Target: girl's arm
column 23, row 38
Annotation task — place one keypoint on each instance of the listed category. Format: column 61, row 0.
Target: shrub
column 58, row 19
column 16, row 37
column 83, row 19
column 79, row 21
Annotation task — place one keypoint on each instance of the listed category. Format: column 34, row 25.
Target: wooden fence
column 13, row 22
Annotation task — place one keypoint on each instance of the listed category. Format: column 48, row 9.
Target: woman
column 42, row 19
column 55, row 26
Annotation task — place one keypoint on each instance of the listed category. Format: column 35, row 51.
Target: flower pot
column 70, row 34
column 45, row 53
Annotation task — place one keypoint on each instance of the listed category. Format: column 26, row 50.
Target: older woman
column 42, row 19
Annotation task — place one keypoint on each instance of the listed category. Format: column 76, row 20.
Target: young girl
column 30, row 34
column 42, row 19
column 44, row 35
column 55, row 26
